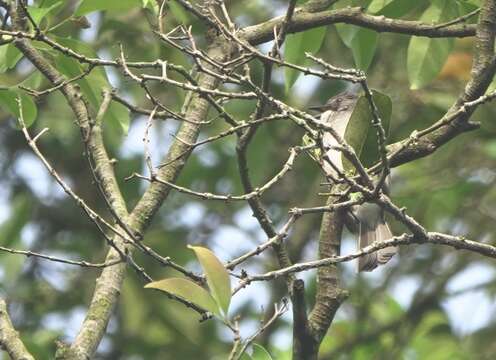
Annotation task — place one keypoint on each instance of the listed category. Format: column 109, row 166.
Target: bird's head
column 341, row 102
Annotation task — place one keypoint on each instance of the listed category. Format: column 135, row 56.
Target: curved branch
column 9, row 337
column 303, row 20
column 456, row 242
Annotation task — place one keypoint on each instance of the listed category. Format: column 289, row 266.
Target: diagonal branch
column 9, row 337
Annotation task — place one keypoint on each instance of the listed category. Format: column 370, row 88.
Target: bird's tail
column 367, row 237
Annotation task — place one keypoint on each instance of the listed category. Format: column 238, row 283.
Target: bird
column 367, row 219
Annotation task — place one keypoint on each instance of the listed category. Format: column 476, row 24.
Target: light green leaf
column 296, row 45
column 465, row 8
column 398, row 8
column 38, row 13
column 188, row 291
column 150, row 4
column 217, row 276
column 9, row 57
column 245, row 356
column 376, row 5
column 259, row 353
column 88, row 6
column 8, row 99
column 426, row 56
column 346, row 33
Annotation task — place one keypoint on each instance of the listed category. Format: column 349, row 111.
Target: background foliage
column 429, row 303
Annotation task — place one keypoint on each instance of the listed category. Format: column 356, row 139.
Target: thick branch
column 303, row 20
column 329, row 295
column 9, row 337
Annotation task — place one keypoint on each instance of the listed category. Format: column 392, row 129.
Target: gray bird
column 368, row 219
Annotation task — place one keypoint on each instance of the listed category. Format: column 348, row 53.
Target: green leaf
column 217, row 276
column 10, row 229
column 188, row 291
column 346, row 33
column 259, row 353
column 8, row 99
column 362, row 42
column 377, row 5
column 9, row 57
column 88, row 6
column 117, row 117
column 490, row 149
column 150, row 4
column 178, row 12
column 363, row 46
column 38, row 13
column 426, row 56
column 360, row 133
column 392, row 8
column 385, row 107
column 296, row 45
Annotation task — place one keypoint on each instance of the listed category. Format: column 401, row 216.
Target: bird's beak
column 320, row 108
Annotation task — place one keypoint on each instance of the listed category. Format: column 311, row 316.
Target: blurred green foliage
column 452, row 190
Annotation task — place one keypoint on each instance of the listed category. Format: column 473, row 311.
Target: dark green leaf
column 360, row 133
column 385, row 107
column 296, row 45
column 363, row 46
column 217, row 276
column 186, row 290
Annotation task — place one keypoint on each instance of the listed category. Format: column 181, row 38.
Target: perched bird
column 367, row 219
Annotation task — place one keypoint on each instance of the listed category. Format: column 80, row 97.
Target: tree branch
column 303, row 20
column 9, row 337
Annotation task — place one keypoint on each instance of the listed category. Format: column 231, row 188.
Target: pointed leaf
column 259, row 353
column 296, row 45
column 360, row 133
column 385, row 106
column 88, row 6
column 186, row 290
column 8, row 99
column 362, row 42
column 38, row 13
column 426, row 56
column 392, row 8
column 363, row 46
column 9, row 57
column 217, row 276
